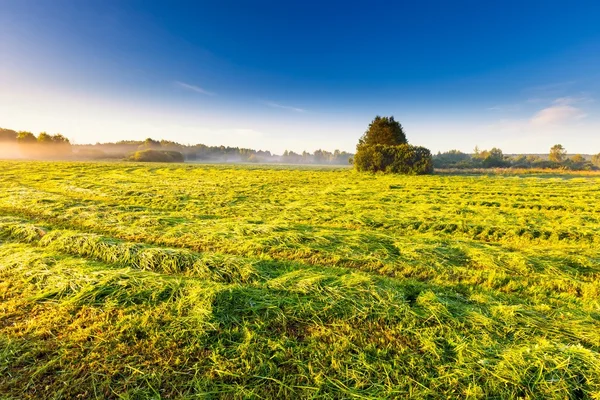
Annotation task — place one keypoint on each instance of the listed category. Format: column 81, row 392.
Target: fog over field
column 9, row 151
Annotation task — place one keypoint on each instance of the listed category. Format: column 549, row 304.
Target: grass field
column 190, row 281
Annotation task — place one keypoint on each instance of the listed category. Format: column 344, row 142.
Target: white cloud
column 276, row 105
column 557, row 115
column 561, row 112
column 193, row 88
column 562, row 120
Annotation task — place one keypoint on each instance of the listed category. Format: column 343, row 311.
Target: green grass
column 141, row 281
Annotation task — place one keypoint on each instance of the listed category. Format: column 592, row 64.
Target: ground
column 122, row 280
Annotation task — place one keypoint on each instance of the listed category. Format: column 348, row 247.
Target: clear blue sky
column 519, row 75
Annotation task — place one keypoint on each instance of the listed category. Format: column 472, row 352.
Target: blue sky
column 519, row 75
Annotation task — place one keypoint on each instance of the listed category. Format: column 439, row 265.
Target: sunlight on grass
column 135, row 281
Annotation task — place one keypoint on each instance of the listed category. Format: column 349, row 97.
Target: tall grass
column 129, row 281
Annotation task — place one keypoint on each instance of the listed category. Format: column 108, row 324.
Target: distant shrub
column 452, row 159
column 156, row 156
column 399, row 159
column 545, row 164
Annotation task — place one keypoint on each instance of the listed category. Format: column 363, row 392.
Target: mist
column 34, row 151
column 9, row 151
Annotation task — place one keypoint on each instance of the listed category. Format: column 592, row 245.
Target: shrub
column 156, row 156
column 400, row 159
column 545, row 164
column 451, row 159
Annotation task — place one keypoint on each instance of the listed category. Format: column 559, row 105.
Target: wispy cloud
column 193, row 88
column 561, row 111
column 557, row 115
column 276, row 105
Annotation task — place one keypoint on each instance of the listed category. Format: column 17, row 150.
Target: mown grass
column 205, row 281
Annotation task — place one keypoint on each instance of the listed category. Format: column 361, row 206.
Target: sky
column 274, row 75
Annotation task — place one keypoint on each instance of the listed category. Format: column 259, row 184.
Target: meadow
column 135, row 281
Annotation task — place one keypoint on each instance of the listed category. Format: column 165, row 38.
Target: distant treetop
column 557, row 153
column 384, row 130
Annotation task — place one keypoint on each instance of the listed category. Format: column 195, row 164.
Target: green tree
column 24, row 137
column 320, row 156
column 557, row 153
column 596, row 160
column 44, row 138
column 60, row 139
column 451, row 159
column 7, row 135
column 149, row 144
column 384, row 130
column 305, row 157
column 384, row 148
column 494, row 159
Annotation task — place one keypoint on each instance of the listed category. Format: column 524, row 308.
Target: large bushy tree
column 384, row 147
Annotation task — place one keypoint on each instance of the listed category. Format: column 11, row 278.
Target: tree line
column 30, row 145
column 557, row 158
column 201, row 152
column 383, row 147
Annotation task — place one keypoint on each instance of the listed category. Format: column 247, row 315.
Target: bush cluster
column 494, row 158
column 399, row 159
column 156, row 156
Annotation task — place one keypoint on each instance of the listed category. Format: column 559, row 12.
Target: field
column 199, row 281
